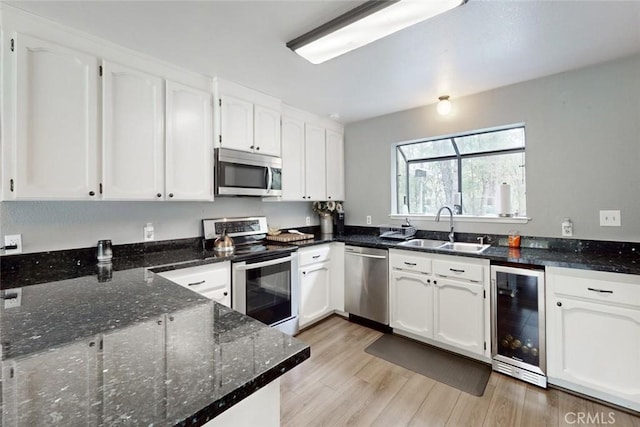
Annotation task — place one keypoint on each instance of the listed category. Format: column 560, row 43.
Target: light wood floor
column 342, row 385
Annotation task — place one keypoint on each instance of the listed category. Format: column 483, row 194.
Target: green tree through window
column 463, row 171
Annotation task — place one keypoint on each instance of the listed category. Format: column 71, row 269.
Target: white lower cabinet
column 441, row 299
column 458, row 311
column 410, row 302
column 593, row 334
column 315, row 283
column 211, row 280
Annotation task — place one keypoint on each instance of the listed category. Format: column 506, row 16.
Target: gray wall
column 582, row 150
column 64, row 225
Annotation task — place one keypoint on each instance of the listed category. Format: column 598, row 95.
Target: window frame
column 458, row 157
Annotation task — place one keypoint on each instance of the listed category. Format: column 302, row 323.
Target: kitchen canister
column 504, row 200
column 105, row 254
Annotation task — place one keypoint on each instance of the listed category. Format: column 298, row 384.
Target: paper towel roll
column 504, row 203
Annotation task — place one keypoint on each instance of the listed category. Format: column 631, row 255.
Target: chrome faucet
column 451, row 235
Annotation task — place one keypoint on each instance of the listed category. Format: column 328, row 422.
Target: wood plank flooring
column 341, row 385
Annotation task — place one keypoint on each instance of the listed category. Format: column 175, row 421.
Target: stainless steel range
column 264, row 282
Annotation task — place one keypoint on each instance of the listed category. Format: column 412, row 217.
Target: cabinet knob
column 559, row 304
column 159, row 322
column 171, row 318
column 435, row 282
column 304, row 197
column 170, row 194
column 428, row 280
column 304, row 272
column 92, row 193
column 252, row 147
column 257, row 148
column 159, row 195
column 225, row 293
column 329, row 197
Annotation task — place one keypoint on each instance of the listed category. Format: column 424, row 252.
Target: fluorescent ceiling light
column 366, row 23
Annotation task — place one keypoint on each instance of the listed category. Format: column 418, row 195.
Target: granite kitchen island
column 136, row 349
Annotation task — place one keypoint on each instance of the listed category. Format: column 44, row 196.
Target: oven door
column 266, row 289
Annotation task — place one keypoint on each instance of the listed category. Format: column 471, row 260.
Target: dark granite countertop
column 625, row 259
column 136, row 350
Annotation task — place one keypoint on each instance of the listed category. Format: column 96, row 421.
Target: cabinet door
column 189, row 143
column 335, row 165
column 56, row 122
column 190, row 359
column 266, row 124
column 459, row 314
column 314, row 292
column 315, row 163
column 52, row 388
column 132, row 388
column 411, row 303
column 293, row 159
column 133, row 143
column 236, row 123
column 594, row 345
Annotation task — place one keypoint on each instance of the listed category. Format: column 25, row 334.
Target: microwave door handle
column 269, row 178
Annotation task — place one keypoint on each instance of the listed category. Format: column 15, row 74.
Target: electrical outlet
column 12, row 298
column 368, row 219
column 148, row 232
column 610, row 219
column 13, row 240
column 307, row 220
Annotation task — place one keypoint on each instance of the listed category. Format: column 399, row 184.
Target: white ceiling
column 476, row 47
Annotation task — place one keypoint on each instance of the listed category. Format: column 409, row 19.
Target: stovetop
column 248, row 234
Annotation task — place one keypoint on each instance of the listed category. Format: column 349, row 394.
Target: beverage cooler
column 518, row 323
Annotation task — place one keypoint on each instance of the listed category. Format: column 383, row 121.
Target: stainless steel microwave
column 238, row 173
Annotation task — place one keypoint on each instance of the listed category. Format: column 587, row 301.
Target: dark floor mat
column 465, row 374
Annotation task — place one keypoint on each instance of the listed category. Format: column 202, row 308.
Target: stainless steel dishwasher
column 366, row 282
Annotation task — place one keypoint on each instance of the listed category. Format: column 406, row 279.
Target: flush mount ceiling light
column 444, row 105
column 366, row 23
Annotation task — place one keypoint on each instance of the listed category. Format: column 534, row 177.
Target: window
column 464, row 171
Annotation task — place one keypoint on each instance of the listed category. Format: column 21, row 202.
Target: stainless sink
column 470, row 248
column 423, row 243
column 473, row 248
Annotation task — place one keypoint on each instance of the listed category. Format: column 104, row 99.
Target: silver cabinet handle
column 315, row 256
column 197, row 283
column 456, row 270
column 413, row 264
column 602, row 291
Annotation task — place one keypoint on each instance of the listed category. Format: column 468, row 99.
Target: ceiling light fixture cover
column 444, row 105
column 366, row 23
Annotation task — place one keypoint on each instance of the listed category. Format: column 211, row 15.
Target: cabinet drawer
column 202, row 279
column 314, row 255
column 409, row 261
column 596, row 285
column 458, row 270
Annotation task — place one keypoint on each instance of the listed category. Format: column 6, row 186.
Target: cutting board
column 289, row 237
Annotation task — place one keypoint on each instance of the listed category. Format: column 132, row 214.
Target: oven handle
column 244, row 267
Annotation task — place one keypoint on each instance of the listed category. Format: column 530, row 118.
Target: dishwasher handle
column 366, row 255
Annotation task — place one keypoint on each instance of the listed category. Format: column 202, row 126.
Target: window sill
column 466, row 218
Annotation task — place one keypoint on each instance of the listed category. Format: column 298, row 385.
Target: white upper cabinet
column 335, row 165
column 266, row 130
column 189, row 143
column 133, row 134
column 293, row 160
column 315, row 166
column 236, row 123
column 56, row 122
column 247, row 119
